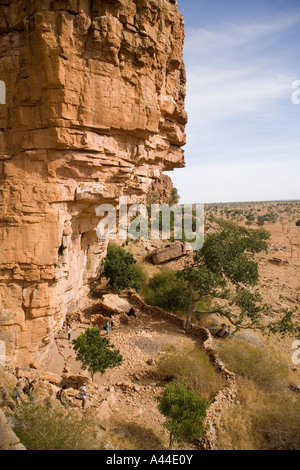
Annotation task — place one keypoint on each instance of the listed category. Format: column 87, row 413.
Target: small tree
column 95, row 352
column 257, row 240
column 298, row 223
column 185, row 411
column 261, row 220
column 174, row 199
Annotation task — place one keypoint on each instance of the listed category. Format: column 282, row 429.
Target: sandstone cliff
column 94, row 110
column 161, row 191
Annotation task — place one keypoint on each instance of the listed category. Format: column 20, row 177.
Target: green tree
column 168, row 291
column 223, row 269
column 257, row 240
column 95, row 352
column 122, row 270
column 261, row 220
column 298, row 223
column 185, row 411
column 174, row 199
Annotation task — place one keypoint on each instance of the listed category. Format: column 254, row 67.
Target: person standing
column 62, row 396
column 69, row 331
column 28, row 390
column 17, row 393
column 83, row 394
column 107, row 327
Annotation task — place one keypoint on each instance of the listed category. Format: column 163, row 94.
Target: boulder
column 36, row 365
column 168, row 253
column 73, row 381
column 221, row 331
column 112, row 303
column 278, row 261
column 31, row 374
column 8, row 439
column 250, row 337
column 210, row 321
column 295, row 387
column 50, row 377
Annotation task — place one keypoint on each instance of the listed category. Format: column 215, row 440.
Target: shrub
column 48, row 427
column 256, row 364
column 193, row 367
column 122, row 270
column 167, row 291
column 185, row 411
column 260, row 420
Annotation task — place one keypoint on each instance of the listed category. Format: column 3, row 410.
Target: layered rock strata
column 94, row 110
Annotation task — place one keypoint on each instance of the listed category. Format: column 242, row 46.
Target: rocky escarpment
column 162, row 191
column 94, row 110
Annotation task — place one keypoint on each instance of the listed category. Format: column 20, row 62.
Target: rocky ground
column 123, row 399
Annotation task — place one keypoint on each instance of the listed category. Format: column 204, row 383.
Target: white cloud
column 211, row 42
column 239, row 94
column 215, row 94
column 225, row 81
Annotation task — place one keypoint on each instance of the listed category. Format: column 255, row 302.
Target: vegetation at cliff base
column 166, row 290
column 122, row 270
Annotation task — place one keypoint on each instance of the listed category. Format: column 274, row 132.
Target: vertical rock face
column 161, row 191
column 94, row 110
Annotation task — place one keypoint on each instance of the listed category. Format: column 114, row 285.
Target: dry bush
column 49, row 427
column 193, row 367
column 128, row 435
column 7, row 380
column 266, row 370
column 260, row 420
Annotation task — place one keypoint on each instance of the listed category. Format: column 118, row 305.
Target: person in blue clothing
column 17, row 393
column 107, row 327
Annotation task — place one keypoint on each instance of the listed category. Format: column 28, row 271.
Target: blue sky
column 243, row 134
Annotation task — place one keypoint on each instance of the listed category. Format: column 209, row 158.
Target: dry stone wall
column 226, row 396
column 94, row 110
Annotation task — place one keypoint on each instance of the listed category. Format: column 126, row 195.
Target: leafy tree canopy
column 185, row 411
column 95, row 352
column 122, row 270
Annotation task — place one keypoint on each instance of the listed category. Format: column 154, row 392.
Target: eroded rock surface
column 94, row 110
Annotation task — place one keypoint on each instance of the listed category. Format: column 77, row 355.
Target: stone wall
column 94, row 110
column 226, row 396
